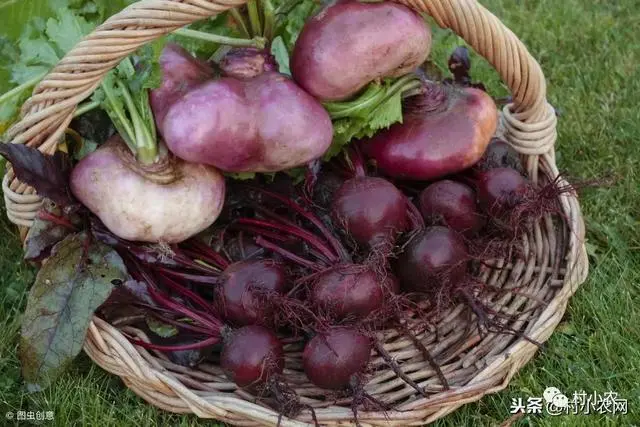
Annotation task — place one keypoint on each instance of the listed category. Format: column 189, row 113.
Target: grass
column 590, row 55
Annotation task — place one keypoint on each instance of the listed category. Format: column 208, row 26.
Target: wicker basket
column 554, row 266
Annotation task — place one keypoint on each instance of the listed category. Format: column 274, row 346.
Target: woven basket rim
column 557, row 253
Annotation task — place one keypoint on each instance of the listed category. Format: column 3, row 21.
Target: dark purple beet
column 332, row 359
column 433, row 259
column 499, row 154
column 326, row 187
column 499, row 190
column 251, row 355
column 451, row 204
column 371, row 210
column 349, row 290
column 244, row 286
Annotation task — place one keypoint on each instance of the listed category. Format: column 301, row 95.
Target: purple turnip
column 246, row 63
column 350, row 43
column 180, row 72
column 445, row 130
column 262, row 124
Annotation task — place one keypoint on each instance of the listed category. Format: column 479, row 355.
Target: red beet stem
column 193, row 346
column 317, row 222
column 199, row 278
column 260, row 232
column 206, row 320
column 296, row 231
column 415, row 217
column 58, row 220
column 180, row 256
column 183, row 291
column 261, row 241
column 356, row 161
column 310, row 179
column 205, row 251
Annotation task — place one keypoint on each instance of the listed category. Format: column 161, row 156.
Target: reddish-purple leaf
column 49, row 175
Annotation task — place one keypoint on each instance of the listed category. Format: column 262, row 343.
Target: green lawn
column 588, row 50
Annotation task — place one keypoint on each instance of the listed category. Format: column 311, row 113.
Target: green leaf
column 37, row 52
column 279, row 51
column 67, row 29
column 291, row 16
column 241, row 176
column 70, row 286
column 161, row 329
column 219, row 24
column 44, row 233
column 377, row 108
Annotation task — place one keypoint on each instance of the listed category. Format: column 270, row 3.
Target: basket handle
column 529, row 122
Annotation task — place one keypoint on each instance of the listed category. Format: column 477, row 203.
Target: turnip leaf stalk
column 124, row 96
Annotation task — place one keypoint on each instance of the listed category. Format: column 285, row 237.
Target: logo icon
column 555, row 397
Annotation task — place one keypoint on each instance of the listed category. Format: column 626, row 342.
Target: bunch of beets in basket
column 384, row 235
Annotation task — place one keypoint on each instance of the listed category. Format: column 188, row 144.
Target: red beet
column 349, row 290
column 433, row 259
column 499, row 154
column 371, row 210
column 445, row 130
column 451, row 204
column 251, row 355
column 244, row 286
column 333, row 359
column 499, row 190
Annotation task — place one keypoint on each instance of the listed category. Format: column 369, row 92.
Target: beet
column 252, row 355
column 334, row 359
column 499, row 154
column 500, row 190
column 348, row 291
column 451, row 204
column 434, row 259
column 244, row 288
column 350, row 43
column 445, row 130
column 371, row 210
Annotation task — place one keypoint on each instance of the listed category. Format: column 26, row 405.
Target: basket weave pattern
column 553, row 266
